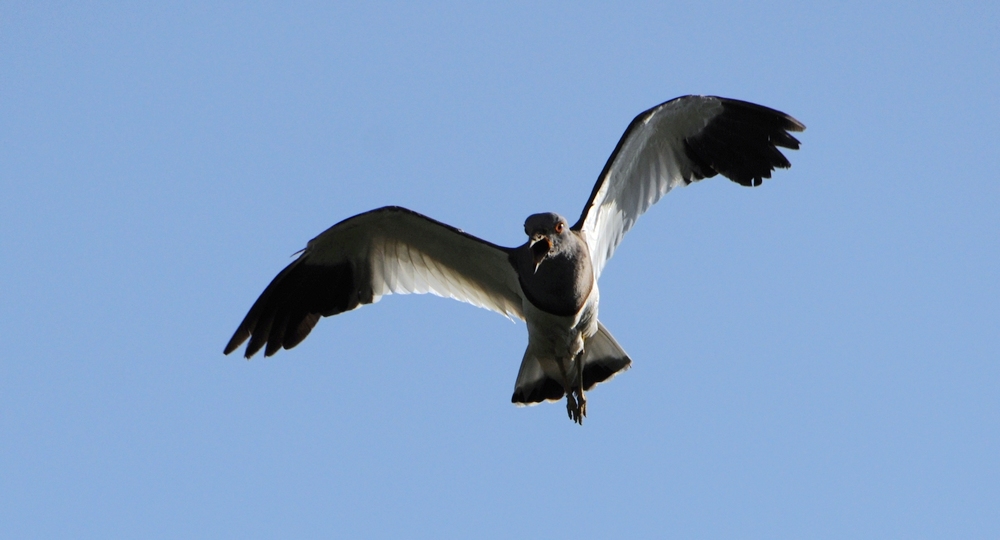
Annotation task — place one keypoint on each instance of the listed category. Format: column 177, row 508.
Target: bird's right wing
column 357, row 261
column 676, row 143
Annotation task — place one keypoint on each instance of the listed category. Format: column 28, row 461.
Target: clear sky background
column 818, row 357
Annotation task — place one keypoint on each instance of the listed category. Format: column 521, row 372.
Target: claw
column 576, row 407
column 571, row 407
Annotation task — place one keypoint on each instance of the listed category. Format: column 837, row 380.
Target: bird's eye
column 559, row 228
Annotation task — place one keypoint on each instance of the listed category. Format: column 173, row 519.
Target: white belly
column 555, row 338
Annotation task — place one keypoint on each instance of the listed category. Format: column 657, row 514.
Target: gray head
column 548, row 234
column 554, row 267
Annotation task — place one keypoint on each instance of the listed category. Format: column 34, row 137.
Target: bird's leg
column 581, row 402
column 572, row 408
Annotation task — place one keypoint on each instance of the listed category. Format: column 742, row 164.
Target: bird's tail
column 603, row 358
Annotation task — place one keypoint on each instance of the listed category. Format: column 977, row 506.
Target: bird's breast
column 560, row 285
column 558, row 336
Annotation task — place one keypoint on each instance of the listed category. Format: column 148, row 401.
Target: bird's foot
column 576, row 407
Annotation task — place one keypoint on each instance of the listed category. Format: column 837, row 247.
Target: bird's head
column 546, row 235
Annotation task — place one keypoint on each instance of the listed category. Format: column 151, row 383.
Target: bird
column 550, row 281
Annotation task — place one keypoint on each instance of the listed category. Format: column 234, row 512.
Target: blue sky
column 813, row 358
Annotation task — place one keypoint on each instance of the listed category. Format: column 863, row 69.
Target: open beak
column 539, row 246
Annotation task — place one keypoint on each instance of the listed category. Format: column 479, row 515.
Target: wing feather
column 673, row 144
column 359, row 260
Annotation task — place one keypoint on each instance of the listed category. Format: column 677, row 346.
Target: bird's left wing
column 676, row 143
column 384, row 251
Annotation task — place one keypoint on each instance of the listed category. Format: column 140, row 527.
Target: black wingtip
column 238, row 338
column 292, row 304
column 742, row 142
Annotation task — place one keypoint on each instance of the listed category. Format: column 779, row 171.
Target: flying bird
column 550, row 281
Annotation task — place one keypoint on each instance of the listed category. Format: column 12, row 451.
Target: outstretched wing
column 384, row 251
column 676, row 143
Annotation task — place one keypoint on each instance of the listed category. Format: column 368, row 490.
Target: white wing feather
column 397, row 251
column 359, row 260
column 648, row 163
